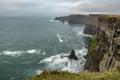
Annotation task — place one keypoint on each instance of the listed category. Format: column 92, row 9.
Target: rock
column 62, row 18
column 72, row 55
column 117, row 40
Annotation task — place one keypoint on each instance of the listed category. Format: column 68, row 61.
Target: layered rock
column 104, row 48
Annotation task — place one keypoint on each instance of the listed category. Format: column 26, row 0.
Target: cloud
column 57, row 7
column 101, row 6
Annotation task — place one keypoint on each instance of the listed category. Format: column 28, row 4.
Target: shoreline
column 96, row 46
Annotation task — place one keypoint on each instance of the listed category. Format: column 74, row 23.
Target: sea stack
column 72, row 55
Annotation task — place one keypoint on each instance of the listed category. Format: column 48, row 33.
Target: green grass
column 85, row 75
column 92, row 44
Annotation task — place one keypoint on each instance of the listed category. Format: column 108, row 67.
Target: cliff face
column 104, row 47
column 77, row 19
column 73, row 19
column 63, row 18
column 91, row 23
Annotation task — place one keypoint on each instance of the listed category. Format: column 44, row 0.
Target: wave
column 63, row 38
column 60, row 38
column 53, row 20
column 86, row 34
column 19, row 53
column 60, row 63
column 79, row 31
column 65, row 22
column 39, row 72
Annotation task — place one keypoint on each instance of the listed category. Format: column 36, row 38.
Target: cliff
column 63, row 18
column 91, row 23
column 73, row 19
column 103, row 54
column 77, row 19
column 104, row 47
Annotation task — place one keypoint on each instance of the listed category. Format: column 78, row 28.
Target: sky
column 57, row 7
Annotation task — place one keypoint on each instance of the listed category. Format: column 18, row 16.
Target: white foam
column 66, row 22
column 85, row 34
column 19, row 53
column 79, row 31
column 11, row 53
column 60, row 38
column 49, row 59
column 63, row 38
column 38, row 72
column 31, row 51
column 58, row 62
column 54, row 20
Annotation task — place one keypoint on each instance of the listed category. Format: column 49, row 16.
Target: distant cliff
column 91, row 23
column 73, row 19
column 104, row 47
column 62, row 18
column 77, row 19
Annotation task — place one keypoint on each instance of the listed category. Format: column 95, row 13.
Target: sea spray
column 58, row 62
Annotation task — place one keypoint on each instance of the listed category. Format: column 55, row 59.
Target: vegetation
column 85, row 75
column 92, row 44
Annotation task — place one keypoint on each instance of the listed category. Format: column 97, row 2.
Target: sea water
column 29, row 45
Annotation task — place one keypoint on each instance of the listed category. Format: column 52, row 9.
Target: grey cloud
column 58, row 7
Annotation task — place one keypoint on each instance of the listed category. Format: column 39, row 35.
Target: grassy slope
column 54, row 75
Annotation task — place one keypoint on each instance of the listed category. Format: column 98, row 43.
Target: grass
column 85, row 75
column 92, row 44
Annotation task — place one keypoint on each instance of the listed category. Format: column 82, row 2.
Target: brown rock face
column 105, row 54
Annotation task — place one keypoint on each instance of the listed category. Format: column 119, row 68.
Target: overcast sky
column 57, row 7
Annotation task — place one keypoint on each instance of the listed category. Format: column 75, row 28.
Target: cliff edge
column 104, row 47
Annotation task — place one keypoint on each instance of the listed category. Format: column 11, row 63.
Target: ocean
column 29, row 45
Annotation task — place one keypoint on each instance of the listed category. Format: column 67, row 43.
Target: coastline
column 88, row 73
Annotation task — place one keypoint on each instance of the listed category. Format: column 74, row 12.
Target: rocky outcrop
column 72, row 55
column 91, row 23
column 63, row 18
column 104, row 47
